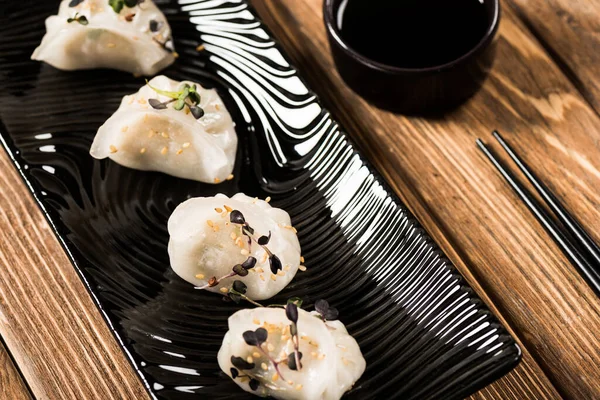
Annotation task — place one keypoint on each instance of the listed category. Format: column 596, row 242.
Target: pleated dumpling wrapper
column 91, row 34
column 268, row 354
column 206, row 246
column 197, row 142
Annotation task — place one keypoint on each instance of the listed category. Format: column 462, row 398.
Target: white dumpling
column 125, row 41
column 331, row 359
column 167, row 140
column 204, row 244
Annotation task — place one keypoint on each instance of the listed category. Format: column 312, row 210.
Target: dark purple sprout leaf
column 264, row 240
column 156, row 104
column 332, row 314
column 253, row 384
column 234, row 373
column 249, row 263
column 321, row 306
column 75, row 3
column 240, row 270
column 247, row 230
column 241, row 363
column 291, row 361
column 228, row 298
column 250, row 338
column 275, row 264
column 255, row 338
column 236, row 298
column 239, row 286
column 237, row 217
column 261, row 335
column 326, row 311
column 291, row 312
column 197, row 112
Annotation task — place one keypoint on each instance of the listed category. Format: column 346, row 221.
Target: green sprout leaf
column 186, row 96
column 117, row 5
column 295, row 300
column 79, row 18
column 197, row 112
column 179, row 104
column 173, row 95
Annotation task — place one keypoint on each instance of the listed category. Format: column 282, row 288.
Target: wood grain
column 48, row 320
column 492, row 238
column 11, row 384
column 569, row 30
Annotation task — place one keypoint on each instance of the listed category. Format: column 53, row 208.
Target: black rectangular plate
column 423, row 331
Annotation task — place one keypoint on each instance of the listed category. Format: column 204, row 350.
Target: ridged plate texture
column 423, row 331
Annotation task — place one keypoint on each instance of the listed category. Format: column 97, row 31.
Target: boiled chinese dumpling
column 91, row 34
column 261, row 354
column 209, row 237
column 195, row 142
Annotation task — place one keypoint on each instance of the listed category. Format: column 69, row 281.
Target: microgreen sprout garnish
column 327, row 312
column 79, row 18
column 238, row 269
column 264, row 240
column 293, row 360
column 236, row 217
column 237, row 293
column 257, row 339
column 291, row 312
column 158, row 105
column 295, row 300
column 117, row 5
column 253, row 384
column 240, row 364
column 75, row 3
column 186, row 96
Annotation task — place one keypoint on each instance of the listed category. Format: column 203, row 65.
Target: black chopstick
column 586, row 270
column 562, row 214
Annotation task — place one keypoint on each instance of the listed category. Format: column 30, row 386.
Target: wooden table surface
column 543, row 94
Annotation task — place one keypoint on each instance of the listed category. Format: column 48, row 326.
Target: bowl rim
column 335, row 36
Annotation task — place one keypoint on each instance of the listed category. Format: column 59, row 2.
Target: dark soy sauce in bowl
column 413, row 56
column 412, row 33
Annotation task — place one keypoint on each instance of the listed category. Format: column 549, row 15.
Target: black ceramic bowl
column 414, row 90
